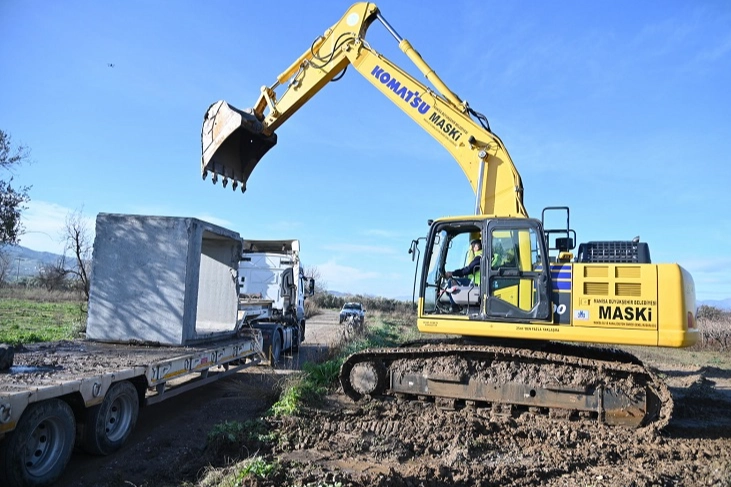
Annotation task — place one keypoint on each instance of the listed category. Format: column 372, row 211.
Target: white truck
column 163, row 319
column 272, row 293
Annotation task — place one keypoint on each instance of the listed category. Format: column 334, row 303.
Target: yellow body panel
column 619, row 304
column 461, row 325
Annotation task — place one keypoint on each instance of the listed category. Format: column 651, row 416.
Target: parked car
column 355, row 310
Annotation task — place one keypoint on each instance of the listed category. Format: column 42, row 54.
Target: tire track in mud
column 414, row 443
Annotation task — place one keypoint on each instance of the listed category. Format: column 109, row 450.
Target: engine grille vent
column 628, row 289
column 596, row 288
column 614, row 252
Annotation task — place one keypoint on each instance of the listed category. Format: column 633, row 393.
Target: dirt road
column 170, row 437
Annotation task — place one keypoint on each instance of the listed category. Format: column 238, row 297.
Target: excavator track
column 560, row 380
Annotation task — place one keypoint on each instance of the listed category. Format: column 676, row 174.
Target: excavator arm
column 233, row 140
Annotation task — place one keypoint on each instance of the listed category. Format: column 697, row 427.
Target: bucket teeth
column 233, row 142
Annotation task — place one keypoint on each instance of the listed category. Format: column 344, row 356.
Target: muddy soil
column 416, row 444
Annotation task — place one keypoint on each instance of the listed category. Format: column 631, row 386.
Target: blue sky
column 620, row 110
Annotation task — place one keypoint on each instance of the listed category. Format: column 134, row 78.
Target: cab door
column 516, row 275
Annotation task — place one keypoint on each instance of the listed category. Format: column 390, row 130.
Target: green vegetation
column 256, row 466
column 26, row 321
column 299, row 390
column 236, row 432
column 315, row 380
column 386, row 305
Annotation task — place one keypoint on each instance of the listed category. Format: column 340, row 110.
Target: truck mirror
column 311, row 286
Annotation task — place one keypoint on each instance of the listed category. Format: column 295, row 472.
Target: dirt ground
column 416, row 444
column 169, row 443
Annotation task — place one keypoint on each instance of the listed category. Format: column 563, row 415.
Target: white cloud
column 711, row 277
column 360, row 249
column 353, row 280
column 44, row 226
column 285, row 226
column 337, row 274
column 375, row 232
column 221, row 222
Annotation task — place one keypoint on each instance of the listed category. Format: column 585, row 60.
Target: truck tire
column 109, row 424
column 299, row 337
column 39, row 448
column 275, row 351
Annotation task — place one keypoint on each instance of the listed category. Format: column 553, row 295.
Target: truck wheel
column 300, row 337
column 276, row 350
column 109, row 424
column 37, row 451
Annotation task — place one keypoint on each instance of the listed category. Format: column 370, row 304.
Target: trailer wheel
column 109, row 424
column 39, row 448
column 276, row 350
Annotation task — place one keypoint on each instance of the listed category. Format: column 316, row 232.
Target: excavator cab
column 513, row 286
column 233, row 143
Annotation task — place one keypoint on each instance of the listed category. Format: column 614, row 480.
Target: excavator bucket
column 232, row 144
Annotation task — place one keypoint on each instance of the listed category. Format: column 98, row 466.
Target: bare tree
column 79, row 244
column 12, row 199
column 314, row 273
column 53, row 276
column 4, row 267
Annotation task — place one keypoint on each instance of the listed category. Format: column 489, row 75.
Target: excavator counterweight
column 233, row 144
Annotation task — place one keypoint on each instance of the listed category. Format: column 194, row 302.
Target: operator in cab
column 471, row 272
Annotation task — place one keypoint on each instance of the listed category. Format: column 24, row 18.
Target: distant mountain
column 724, row 304
column 25, row 262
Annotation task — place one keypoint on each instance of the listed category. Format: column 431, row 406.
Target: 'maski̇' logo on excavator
column 628, row 313
column 445, row 126
column 409, row 96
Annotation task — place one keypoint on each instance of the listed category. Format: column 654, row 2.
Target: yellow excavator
column 501, row 333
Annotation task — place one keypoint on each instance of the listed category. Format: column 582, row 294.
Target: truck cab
column 272, row 292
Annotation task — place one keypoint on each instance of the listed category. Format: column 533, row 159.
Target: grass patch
column 239, row 474
column 237, row 432
column 315, row 380
column 684, row 356
column 26, row 321
column 257, row 467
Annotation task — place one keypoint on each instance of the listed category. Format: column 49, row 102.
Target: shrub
column 386, row 305
column 715, row 334
column 706, row 312
column 311, row 308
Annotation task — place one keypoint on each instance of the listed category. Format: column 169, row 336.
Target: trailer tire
column 276, row 350
column 109, row 424
column 39, row 448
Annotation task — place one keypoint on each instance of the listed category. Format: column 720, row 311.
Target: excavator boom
column 235, row 140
